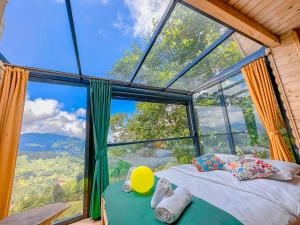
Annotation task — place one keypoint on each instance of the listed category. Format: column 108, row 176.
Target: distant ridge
column 39, row 142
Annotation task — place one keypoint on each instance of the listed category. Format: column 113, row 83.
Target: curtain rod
column 44, row 74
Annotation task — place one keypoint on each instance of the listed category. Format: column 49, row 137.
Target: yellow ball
column 142, row 179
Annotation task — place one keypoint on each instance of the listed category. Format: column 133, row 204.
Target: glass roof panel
column 225, row 55
column 185, row 35
column 112, row 35
column 233, row 85
column 37, row 34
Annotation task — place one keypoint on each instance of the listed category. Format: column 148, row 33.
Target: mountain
column 46, row 142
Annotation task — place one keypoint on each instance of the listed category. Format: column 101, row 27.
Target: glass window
column 248, row 133
column 185, row 35
column 37, row 34
column 113, row 34
column 158, row 155
column 136, row 121
column 225, row 55
column 211, row 123
column 50, row 162
column 209, row 111
column 216, row 143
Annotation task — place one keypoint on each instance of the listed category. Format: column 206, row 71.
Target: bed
column 253, row 202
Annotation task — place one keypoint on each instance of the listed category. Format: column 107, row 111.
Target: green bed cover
column 134, row 209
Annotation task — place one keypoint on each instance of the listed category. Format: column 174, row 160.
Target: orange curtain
column 260, row 87
column 12, row 97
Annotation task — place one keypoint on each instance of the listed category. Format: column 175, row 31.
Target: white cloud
column 144, row 12
column 121, row 24
column 81, row 112
column 104, row 2
column 47, row 116
column 59, row 1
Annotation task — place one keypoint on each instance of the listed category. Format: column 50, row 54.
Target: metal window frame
column 235, row 70
column 230, row 71
column 199, row 58
column 154, row 37
column 226, row 119
column 117, row 91
column 73, row 33
column 217, row 80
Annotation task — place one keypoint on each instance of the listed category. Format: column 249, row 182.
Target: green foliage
column 58, row 193
column 170, row 119
column 42, row 180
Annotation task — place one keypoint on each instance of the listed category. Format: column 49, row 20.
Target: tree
column 57, row 193
column 185, row 36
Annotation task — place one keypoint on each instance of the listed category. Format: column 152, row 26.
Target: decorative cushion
column 227, row 157
column 247, row 168
column 288, row 170
column 208, row 162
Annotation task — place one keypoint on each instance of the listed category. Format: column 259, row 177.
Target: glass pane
column 249, row 134
column 50, row 163
column 225, row 55
column 217, row 143
column 37, row 34
column 136, row 121
column 186, row 34
column 112, row 34
column 209, row 112
column 156, row 155
column 243, row 145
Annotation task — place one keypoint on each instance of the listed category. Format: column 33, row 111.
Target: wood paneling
column 246, row 45
column 278, row 16
column 232, row 16
column 285, row 60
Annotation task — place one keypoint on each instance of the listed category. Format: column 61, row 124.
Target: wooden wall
column 281, row 17
column 285, row 60
column 246, row 45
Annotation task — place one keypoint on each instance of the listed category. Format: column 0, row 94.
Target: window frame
column 231, row 72
column 123, row 93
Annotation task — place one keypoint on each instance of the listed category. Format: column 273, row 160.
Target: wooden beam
column 229, row 15
column 296, row 38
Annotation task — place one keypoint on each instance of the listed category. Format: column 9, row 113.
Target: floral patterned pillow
column 247, row 168
column 208, row 162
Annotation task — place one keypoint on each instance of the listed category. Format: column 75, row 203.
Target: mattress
column 253, row 202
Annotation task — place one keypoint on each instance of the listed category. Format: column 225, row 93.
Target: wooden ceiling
column 263, row 20
column 278, row 16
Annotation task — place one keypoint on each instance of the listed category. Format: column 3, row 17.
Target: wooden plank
column 251, row 6
column 231, row 16
column 296, row 39
column 38, row 216
column 280, row 21
column 285, row 99
column 87, row 222
column 276, row 13
column 260, row 7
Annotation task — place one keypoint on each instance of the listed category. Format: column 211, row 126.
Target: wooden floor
column 87, row 222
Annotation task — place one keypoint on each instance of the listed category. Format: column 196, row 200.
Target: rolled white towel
column 163, row 189
column 170, row 208
column 127, row 185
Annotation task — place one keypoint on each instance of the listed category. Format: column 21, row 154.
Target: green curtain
column 100, row 97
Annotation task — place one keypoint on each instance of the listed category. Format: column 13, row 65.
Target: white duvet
column 253, row 202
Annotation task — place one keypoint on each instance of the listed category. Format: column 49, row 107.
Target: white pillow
column 287, row 170
column 226, row 157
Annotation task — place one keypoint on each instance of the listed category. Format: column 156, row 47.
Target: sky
column 36, row 33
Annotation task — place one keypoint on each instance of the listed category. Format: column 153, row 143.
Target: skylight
column 157, row 43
